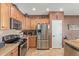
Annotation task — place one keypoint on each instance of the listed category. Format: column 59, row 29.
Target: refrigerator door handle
column 53, row 35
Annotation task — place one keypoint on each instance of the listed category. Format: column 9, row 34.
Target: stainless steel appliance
column 22, row 49
column 42, row 36
column 15, row 24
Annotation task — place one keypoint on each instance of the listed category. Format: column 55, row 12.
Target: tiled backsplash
column 7, row 32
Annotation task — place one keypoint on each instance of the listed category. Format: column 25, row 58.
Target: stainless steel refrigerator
column 42, row 36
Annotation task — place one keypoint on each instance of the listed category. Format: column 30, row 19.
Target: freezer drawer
column 42, row 44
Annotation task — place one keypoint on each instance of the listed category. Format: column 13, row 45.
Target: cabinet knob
column 11, row 53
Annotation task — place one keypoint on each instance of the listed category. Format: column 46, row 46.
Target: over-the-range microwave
column 15, row 24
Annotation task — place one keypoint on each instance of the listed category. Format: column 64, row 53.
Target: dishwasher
column 23, row 49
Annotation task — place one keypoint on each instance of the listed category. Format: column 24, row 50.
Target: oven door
column 23, row 49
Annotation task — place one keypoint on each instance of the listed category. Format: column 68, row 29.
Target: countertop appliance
column 22, row 48
column 42, row 36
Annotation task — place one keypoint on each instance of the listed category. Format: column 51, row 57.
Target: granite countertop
column 73, row 43
column 7, row 48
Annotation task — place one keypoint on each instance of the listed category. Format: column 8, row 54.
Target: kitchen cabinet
column 71, row 47
column 70, row 51
column 14, row 52
column 22, row 19
column 38, row 19
column 23, row 22
column 16, row 14
column 7, row 11
column 13, row 11
column 32, row 42
column 27, row 23
column 5, row 15
column 56, row 15
column 0, row 15
column 35, row 22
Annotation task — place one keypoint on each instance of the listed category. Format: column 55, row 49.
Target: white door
column 56, row 33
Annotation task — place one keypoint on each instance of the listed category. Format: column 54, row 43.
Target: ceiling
column 69, row 8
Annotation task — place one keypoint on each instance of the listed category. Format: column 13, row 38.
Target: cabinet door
column 32, row 24
column 14, row 52
column 0, row 15
column 9, row 54
column 27, row 23
column 18, row 16
column 13, row 12
column 5, row 16
column 23, row 22
column 32, row 42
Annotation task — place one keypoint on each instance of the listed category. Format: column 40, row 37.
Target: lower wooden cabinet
column 14, row 52
column 32, row 41
column 9, row 54
column 70, row 51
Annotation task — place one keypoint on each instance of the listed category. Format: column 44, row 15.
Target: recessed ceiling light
column 34, row 9
column 61, row 9
column 47, row 9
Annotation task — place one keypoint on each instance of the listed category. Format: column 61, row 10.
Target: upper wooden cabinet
column 7, row 11
column 27, row 23
column 13, row 12
column 0, row 15
column 34, row 20
column 23, row 22
column 18, row 15
column 56, row 15
column 5, row 15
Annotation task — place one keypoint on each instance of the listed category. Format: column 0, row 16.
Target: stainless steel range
column 22, row 48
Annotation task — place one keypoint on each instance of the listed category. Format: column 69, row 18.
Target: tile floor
column 50, row 52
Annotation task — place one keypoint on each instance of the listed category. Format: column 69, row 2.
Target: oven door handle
column 23, row 44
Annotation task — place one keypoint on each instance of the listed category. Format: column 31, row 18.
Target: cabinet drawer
column 14, row 52
column 9, row 54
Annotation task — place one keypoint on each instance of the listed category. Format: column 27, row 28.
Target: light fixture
column 47, row 9
column 61, row 9
column 34, row 9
